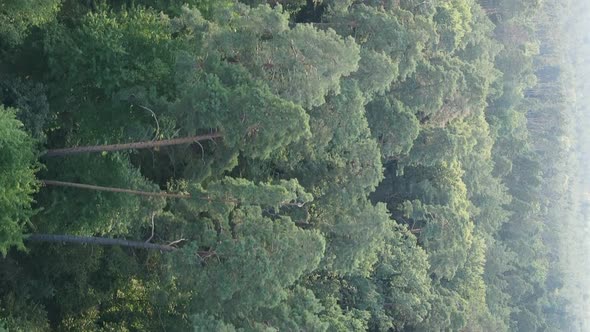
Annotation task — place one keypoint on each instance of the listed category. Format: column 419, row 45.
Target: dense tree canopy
column 326, row 165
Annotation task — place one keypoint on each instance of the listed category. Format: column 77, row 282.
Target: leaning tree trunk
column 138, row 192
column 97, row 240
column 112, row 189
column 151, row 193
column 128, row 146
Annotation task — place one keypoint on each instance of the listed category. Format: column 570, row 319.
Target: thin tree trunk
column 97, row 240
column 127, row 146
column 149, row 193
column 416, row 231
column 112, row 189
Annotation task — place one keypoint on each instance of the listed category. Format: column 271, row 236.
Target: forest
column 294, row 165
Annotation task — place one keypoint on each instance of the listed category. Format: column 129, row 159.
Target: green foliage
column 397, row 34
column 384, row 115
column 398, row 291
column 382, row 165
column 20, row 315
column 110, row 51
column 96, row 212
column 174, row 7
column 248, row 266
column 300, row 311
column 355, row 235
column 446, row 235
column 244, row 192
column 376, row 72
column 453, row 20
column 204, row 323
column 292, row 60
column 18, row 166
column 30, row 101
column 18, row 17
column 252, row 119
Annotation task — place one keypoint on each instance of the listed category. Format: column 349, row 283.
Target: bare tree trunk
column 416, row 230
column 98, row 240
column 112, row 189
column 151, row 193
column 127, row 146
